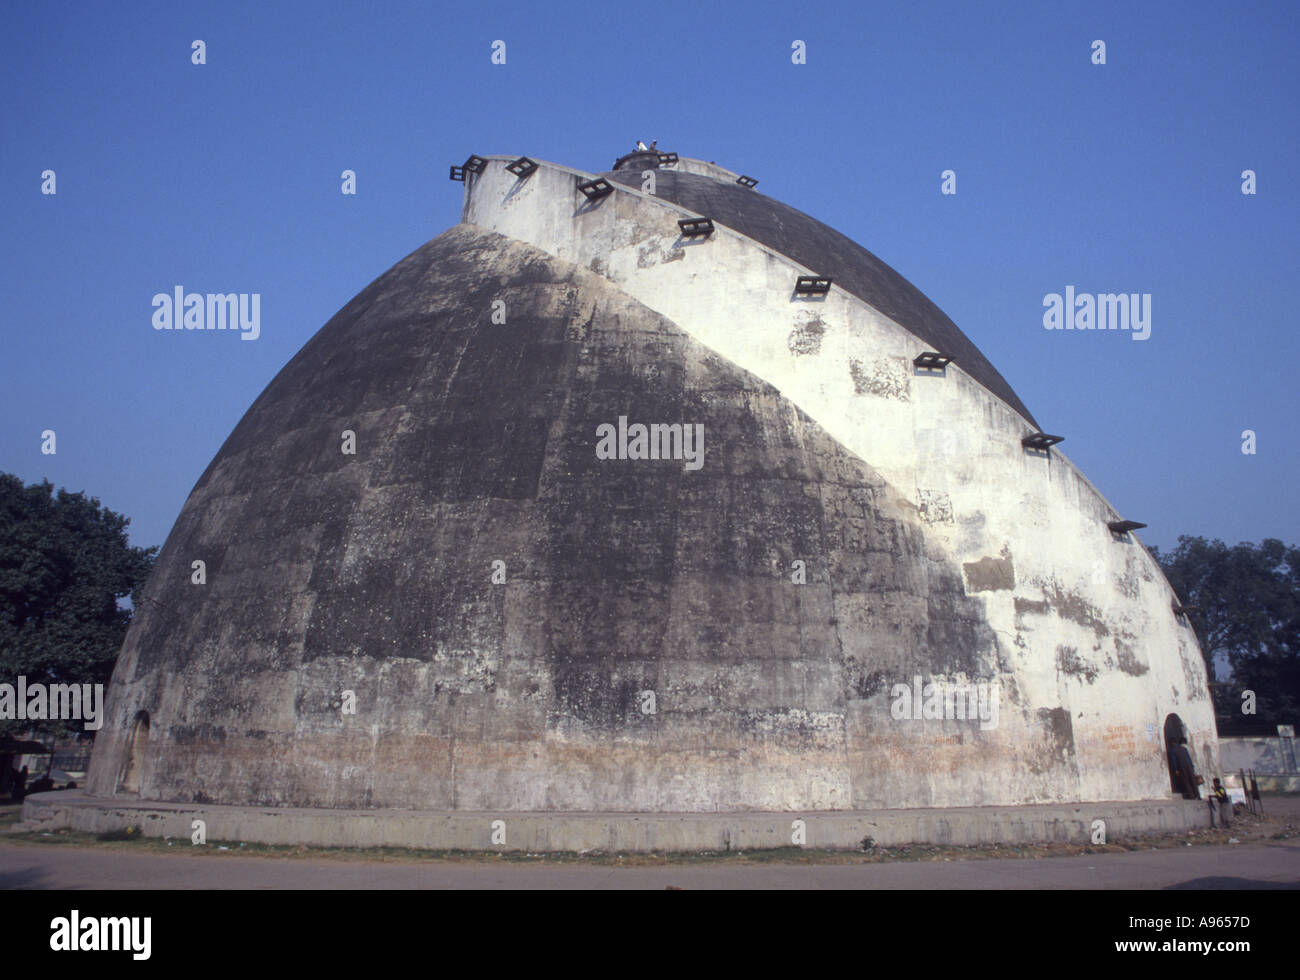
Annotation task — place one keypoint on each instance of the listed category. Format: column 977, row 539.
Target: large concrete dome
column 524, row 624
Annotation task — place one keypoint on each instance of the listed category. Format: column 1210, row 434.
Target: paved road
column 65, row 867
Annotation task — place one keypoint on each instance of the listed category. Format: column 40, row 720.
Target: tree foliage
column 64, row 563
column 1247, row 600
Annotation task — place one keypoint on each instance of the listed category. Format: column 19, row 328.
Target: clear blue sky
column 225, row 177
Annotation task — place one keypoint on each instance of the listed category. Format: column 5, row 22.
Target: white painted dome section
column 1084, row 622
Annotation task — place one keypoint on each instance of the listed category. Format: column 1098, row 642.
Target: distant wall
column 1273, row 755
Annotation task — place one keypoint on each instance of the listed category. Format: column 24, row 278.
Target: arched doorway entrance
column 1182, row 773
column 135, row 746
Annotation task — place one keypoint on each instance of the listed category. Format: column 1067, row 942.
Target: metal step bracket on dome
column 747, row 181
column 522, row 167
column 696, row 227
column 1121, row 529
column 667, row 159
column 1040, row 443
column 474, row 164
column 595, row 189
column 1181, row 611
column 812, row 285
column 932, row 362
column 457, row 173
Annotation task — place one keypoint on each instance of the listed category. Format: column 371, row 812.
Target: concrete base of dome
column 584, row 832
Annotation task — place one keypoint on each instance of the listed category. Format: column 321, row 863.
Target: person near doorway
column 1219, row 799
column 1185, row 778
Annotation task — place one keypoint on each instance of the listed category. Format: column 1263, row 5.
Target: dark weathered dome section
column 475, row 444
column 827, row 253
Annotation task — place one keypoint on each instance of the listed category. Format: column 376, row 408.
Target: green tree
column 1247, row 600
column 64, row 563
